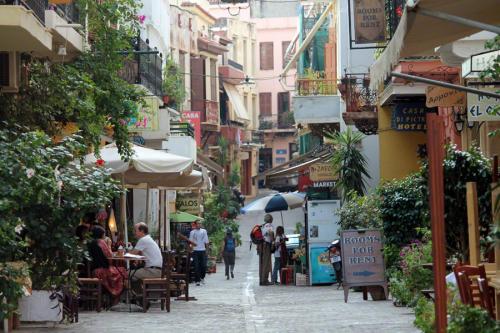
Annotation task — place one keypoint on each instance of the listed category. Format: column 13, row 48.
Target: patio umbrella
column 156, row 168
column 275, row 203
column 183, row 217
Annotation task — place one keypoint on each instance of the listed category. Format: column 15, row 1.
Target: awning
column 209, row 164
column 419, row 33
column 294, row 168
column 240, row 111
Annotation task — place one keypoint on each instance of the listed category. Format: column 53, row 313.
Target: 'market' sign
column 362, row 259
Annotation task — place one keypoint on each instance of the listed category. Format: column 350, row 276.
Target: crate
column 301, row 280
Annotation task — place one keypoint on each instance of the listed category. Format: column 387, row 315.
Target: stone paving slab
column 241, row 305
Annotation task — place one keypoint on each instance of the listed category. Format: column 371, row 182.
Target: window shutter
column 265, row 104
column 198, row 85
column 266, row 56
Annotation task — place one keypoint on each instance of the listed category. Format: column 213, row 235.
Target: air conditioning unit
column 9, row 72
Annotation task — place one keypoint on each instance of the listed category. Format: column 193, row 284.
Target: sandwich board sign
column 362, row 259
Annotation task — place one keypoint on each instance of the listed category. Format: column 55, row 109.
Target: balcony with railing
column 361, row 103
column 38, row 7
column 144, row 67
column 317, row 100
column 284, row 123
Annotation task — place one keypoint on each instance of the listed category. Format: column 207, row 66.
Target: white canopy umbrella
column 143, row 161
column 155, row 168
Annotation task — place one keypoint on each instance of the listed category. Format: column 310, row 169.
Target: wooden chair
column 471, row 273
column 180, row 275
column 91, row 291
column 158, row 288
column 487, row 296
column 464, row 286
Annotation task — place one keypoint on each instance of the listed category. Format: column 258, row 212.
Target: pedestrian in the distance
column 264, row 250
column 279, row 242
column 229, row 253
column 199, row 237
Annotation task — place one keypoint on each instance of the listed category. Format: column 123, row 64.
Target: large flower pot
column 40, row 308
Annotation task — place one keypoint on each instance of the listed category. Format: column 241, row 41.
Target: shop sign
column 444, row 97
column 482, row 108
column 409, row 117
column 322, row 172
column 362, row 258
column 188, row 203
column 147, row 116
column 329, row 183
column 479, row 62
column 369, row 21
column 194, row 118
column 281, row 151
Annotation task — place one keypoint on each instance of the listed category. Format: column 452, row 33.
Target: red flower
column 399, row 11
column 100, row 162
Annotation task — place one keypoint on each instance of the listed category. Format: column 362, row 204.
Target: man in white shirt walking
column 199, row 237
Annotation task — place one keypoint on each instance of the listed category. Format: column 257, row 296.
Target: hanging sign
column 322, row 172
column 188, row 203
column 483, row 108
column 369, row 21
column 194, row 118
column 409, row 117
column 147, row 116
column 362, row 259
column 329, row 183
column 444, row 97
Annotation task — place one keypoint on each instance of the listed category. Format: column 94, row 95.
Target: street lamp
column 459, row 121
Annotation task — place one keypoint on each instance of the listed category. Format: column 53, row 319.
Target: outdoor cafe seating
column 174, row 282
column 473, row 287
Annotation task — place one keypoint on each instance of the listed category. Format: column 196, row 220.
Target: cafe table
column 127, row 258
column 494, row 282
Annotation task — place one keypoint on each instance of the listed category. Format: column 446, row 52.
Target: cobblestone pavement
column 241, row 305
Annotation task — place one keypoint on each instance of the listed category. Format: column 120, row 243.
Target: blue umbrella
column 275, row 203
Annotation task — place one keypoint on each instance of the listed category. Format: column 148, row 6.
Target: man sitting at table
column 147, row 247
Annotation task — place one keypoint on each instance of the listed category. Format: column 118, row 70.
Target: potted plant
column 174, row 91
column 46, row 196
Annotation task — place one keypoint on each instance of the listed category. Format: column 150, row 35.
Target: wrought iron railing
column 69, row 12
column 181, row 129
column 144, row 68
column 393, row 11
column 312, row 87
column 37, row 6
column 355, row 91
column 286, row 120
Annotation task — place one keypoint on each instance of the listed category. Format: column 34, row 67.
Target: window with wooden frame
column 266, row 56
column 283, row 102
column 265, row 104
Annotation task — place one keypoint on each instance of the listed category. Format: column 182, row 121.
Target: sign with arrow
column 362, row 259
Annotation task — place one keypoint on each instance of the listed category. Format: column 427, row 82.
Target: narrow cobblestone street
column 242, row 305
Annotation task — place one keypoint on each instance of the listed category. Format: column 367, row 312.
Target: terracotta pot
column 377, row 293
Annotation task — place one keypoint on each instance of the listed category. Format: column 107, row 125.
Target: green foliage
column 493, row 72
column 465, row 318
column 88, row 91
column 461, row 167
column 234, row 176
column 360, row 212
column 348, row 161
column 45, row 194
column 403, row 209
column 407, row 282
column 425, row 315
column 221, row 209
column 173, row 83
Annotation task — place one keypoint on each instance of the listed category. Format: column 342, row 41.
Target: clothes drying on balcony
column 239, row 110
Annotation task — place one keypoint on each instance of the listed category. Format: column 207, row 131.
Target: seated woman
column 112, row 277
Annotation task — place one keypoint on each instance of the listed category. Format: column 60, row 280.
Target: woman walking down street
column 229, row 253
column 264, row 251
column 279, row 243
